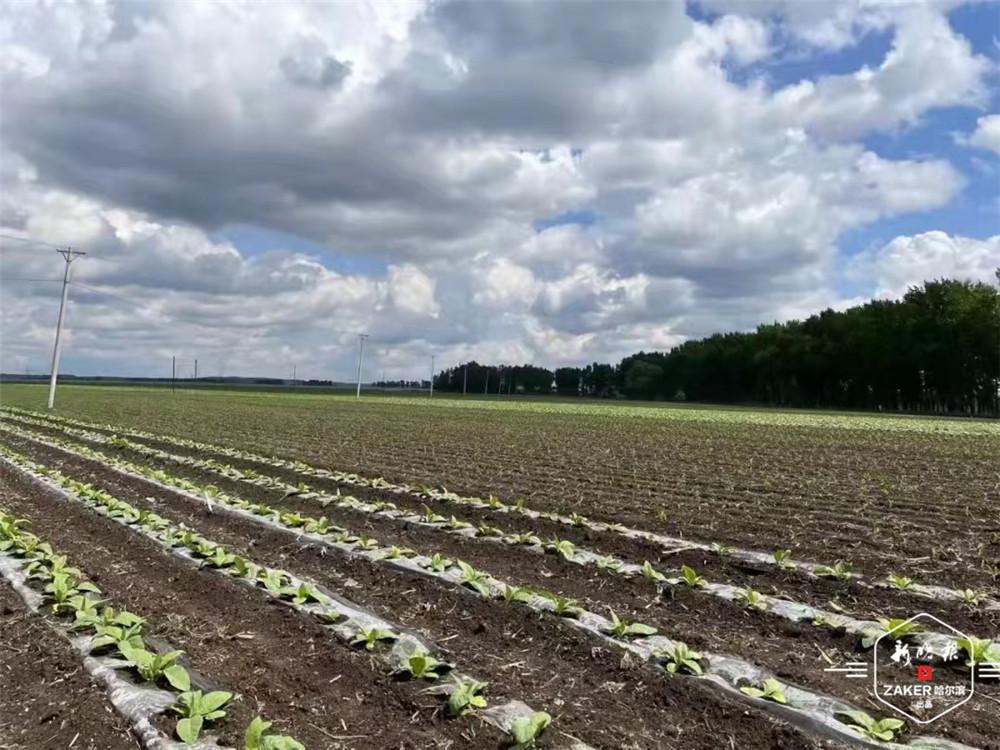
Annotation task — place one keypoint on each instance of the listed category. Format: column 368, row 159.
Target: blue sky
column 501, row 181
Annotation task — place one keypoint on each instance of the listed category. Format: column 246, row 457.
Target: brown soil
column 593, row 694
column 47, row 700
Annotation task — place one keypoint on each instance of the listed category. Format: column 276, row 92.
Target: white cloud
column 908, row 261
column 987, row 134
column 428, row 142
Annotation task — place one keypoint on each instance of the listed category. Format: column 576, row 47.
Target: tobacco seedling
column 244, row 568
column 494, row 502
column 431, row 517
column 609, row 563
column 623, row 630
column 841, row 570
column 256, row 739
column 486, row 530
column 152, row 666
column 770, row 690
column 721, row 549
column 395, row 553
column 979, row 651
column 454, row 523
column 437, row 563
column 970, row 597
column 197, row 708
column 900, row 582
column 274, row 580
column 292, row 519
column 527, row 538
column 318, row 526
column 306, row 593
column 679, row 659
column 474, row 579
column 371, row 636
column 652, row 573
column 517, row 593
column 896, row 628
column 563, row 547
column 562, row 606
column 467, row 696
column 751, row 598
column 691, row 577
column 423, row 666
column 219, row 559
column 783, row 558
column 526, row 729
column 880, row 729
column 577, row 520
column 366, row 542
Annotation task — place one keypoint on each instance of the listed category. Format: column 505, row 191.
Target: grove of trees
column 936, row 350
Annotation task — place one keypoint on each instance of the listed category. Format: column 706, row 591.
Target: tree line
column 936, row 350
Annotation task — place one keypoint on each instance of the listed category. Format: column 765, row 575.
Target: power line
column 31, row 241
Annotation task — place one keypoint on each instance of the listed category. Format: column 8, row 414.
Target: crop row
column 780, row 559
column 404, row 654
column 142, row 681
column 635, row 637
column 866, row 630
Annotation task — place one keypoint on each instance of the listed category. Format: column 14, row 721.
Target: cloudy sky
column 255, row 182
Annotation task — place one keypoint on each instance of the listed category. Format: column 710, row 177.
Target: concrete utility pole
column 465, row 378
column 196, row 369
column 361, row 358
column 173, row 373
column 432, row 376
column 69, row 255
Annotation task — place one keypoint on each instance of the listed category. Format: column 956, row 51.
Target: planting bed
column 730, row 496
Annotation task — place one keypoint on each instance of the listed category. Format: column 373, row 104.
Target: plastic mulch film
column 348, row 619
column 811, row 711
column 672, row 544
column 138, row 704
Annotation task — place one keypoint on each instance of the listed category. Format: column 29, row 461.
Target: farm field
column 406, row 572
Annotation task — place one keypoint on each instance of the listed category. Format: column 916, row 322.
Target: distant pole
column 361, row 358
column 68, row 255
column 173, row 373
column 196, row 369
column 486, row 387
column 432, row 376
column 465, row 378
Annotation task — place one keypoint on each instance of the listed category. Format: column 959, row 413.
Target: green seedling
column 494, row 502
column 900, row 582
column 345, row 537
column 395, row 553
column 438, row 563
column 371, row 636
column 467, row 696
column 256, row 738
column 563, row 547
column 691, row 577
column 971, row 597
column 64, row 587
column 623, row 630
column 454, row 523
column 292, row 519
column 979, row 651
column 751, row 598
column 484, row 529
column 318, row 526
column 526, row 729
column 527, row 538
column 517, row 594
column 609, row 563
column 770, row 690
column 305, row 593
column 244, row 568
column 577, row 520
column 562, row 606
column 880, row 729
column 652, row 573
column 275, row 581
column 431, row 517
column 423, row 666
column 721, row 549
column 197, row 708
column 840, row 570
column 678, row 659
column 783, row 558
column 366, row 542
column 153, row 666
column 219, row 559
column 895, row 628
column 474, row 579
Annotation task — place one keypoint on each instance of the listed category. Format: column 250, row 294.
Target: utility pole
column 432, row 376
column 173, row 373
column 465, row 378
column 196, row 369
column 486, row 387
column 361, row 358
column 68, row 255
